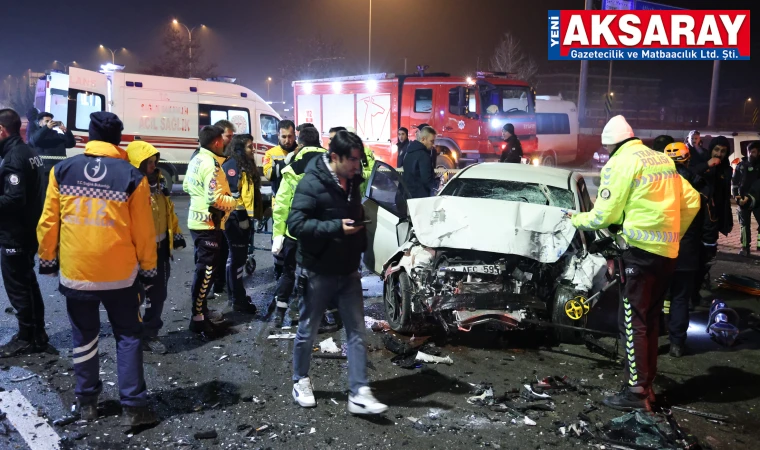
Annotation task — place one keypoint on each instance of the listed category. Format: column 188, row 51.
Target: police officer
column 210, row 205
column 21, row 199
column 745, row 175
column 512, row 152
column 97, row 230
column 641, row 192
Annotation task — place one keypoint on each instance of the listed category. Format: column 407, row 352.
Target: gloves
column 179, row 242
column 277, row 243
column 147, row 282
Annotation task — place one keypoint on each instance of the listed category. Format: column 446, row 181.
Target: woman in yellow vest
column 168, row 237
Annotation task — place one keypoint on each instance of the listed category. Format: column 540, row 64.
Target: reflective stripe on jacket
column 97, row 224
column 207, row 186
column 291, row 175
column 641, row 189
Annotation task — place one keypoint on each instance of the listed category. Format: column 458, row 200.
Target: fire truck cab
column 468, row 113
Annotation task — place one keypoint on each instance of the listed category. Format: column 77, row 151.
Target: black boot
column 17, row 346
column 331, row 322
column 138, row 416
column 88, row 411
column 246, row 306
column 625, row 400
column 677, row 350
column 279, row 317
column 204, row 327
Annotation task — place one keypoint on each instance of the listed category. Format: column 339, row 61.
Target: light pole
column 65, row 66
column 269, row 83
column 369, row 62
column 113, row 53
column 190, row 41
column 744, row 110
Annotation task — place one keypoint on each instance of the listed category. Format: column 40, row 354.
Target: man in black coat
column 418, row 175
column 21, row 200
column 512, row 152
column 746, row 174
column 402, row 145
column 47, row 141
column 326, row 217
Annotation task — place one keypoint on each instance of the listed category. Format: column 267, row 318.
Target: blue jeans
column 321, row 291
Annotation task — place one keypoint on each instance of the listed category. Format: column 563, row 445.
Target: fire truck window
column 423, row 100
column 269, row 128
column 472, row 105
column 453, row 101
column 86, row 104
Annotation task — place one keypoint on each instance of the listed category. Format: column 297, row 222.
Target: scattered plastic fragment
column 482, row 398
column 328, row 346
column 29, row 377
column 528, row 421
column 282, row 336
column 424, row 357
column 313, row 430
column 210, row 434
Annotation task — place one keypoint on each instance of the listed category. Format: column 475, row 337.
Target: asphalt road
column 241, row 383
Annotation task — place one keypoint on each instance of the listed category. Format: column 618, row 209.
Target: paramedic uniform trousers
column 745, row 220
column 17, row 265
column 647, row 277
column 123, row 308
column 154, row 305
column 238, row 236
column 287, row 280
column 207, row 258
column 682, row 288
column 220, row 275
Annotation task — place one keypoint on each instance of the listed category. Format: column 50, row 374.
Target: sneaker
column 744, row 251
column 303, row 393
column 137, row 416
column 88, row 411
column 279, row 318
column 272, row 306
column 246, row 306
column 365, row 403
column 204, row 327
column 214, row 316
column 153, row 345
column 677, row 350
column 625, row 400
column 331, row 322
column 17, row 346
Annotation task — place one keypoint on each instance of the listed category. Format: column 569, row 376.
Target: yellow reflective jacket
column 97, row 225
column 291, row 175
column 367, row 168
column 642, row 190
column 139, row 151
column 207, row 186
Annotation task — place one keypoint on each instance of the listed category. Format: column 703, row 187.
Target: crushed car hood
column 534, row 231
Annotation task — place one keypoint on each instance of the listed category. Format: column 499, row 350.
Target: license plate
column 490, row 269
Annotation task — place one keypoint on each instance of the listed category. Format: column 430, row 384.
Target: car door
column 385, row 209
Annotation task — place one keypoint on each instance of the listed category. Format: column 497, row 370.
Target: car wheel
column 445, row 162
column 549, row 161
column 168, row 177
column 564, row 335
column 398, row 302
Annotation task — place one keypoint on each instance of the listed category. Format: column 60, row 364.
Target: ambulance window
column 269, row 128
column 59, row 104
column 239, row 118
column 423, row 100
column 81, row 105
column 217, row 115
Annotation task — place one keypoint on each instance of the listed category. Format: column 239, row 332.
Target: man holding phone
column 326, row 217
column 52, row 138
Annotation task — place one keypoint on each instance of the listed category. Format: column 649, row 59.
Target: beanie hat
column 616, row 131
column 661, row 142
column 105, row 126
column 719, row 140
column 508, row 127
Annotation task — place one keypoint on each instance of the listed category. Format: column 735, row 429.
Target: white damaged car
column 493, row 247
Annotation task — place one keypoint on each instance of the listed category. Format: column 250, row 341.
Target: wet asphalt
column 239, row 386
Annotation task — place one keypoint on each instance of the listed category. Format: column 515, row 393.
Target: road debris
column 644, row 430
column 328, row 346
column 424, row 357
column 701, row 413
column 210, row 434
column 18, row 380
column 528, row 421
column 282, row 336
column 482, row 399
column 529, row 394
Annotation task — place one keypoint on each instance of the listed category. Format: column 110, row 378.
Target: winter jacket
column 139, row 151
column 31, row 122
column 242, row 189
column 318, row 208
column 691, row 242
column 513, row 152
column 49, row 142
column 22, row 193
column 210, row 198
column 291, row 176
column 274, row 162
column 745, row 175
column 97, row 224
column 418, row 175
column 641, row 190
column 401, row 149
column 368, row 163
column 716, row 190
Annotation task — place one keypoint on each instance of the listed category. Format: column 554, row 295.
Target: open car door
column 385, row 208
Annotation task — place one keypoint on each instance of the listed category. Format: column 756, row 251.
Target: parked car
column 493, row 247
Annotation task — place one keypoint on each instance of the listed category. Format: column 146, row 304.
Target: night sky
column 249, row 38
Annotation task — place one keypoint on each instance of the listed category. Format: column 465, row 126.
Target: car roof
column 524, row 173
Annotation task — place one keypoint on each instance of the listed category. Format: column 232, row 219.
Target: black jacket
column 402, row 149
column 716, row 192
column 22, row 193
column 513, row 153
column 418, row 176
column 316, row 220
column 745, row 175
column 691, row 242
column 48, row 142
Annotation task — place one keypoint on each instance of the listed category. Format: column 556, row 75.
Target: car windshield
column 505, row 100
column 512, row 191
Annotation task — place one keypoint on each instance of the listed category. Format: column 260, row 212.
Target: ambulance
column 467, row 112
column 166, row 112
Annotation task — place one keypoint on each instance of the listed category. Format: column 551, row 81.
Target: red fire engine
column 468, row 113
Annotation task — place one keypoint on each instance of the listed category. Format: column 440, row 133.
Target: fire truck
column 467, row 112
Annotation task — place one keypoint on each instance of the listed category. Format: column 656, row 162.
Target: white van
column 738, row 142
column 166, row 112
column 557, row 130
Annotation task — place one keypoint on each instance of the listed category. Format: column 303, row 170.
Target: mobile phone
column 361, row 222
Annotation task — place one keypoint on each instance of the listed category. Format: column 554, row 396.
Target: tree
column 176, row 60
column 509, row 57
column 314, row 58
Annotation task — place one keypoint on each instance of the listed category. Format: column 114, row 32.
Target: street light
column 65, row 66
column 744, row 110
column 269, row 83
column 113, row 53
column 190, row 41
